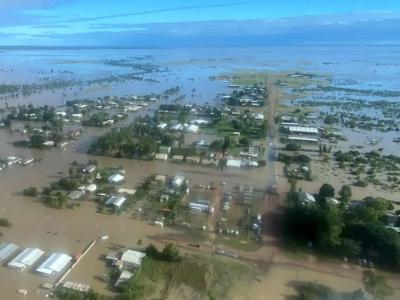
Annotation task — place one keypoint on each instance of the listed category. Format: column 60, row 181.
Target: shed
column 26, row 258
column 178, row 181
column 6, row 249
column 116, row 201
column 75, row 195
column 132, row 259
column 54, row 264
column 116, row 178
column 123, row 277
column 235, row 163
column 161, row 156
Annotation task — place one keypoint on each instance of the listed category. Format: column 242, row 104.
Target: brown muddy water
column 70, row 231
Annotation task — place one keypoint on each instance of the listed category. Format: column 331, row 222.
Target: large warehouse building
column 54, row 264
column 26, row 258
column 6, row 249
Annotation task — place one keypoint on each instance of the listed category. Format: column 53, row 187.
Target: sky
column 169, row 23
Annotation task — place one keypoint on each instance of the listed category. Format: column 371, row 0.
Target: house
column 6, row 250
column 76, row 286
column 177, row 158
column 192, row 128
column 200, row 122
column 176, row 127
column 177, row 181
column 234, row 163
column 89, row 168
column 258, row 117
column 193, row 159
column 305, row 198
column 209, row 162
column 304, row 139
column 162, row 125
column 116, row 178
column 25, row 259
column 116, row 201
column 127, row 191
column 161, row 156
column 202, row 206
column 303, row 130
column 48, row 144
column 75, row 195
column 161, row 178
column 202, row 144
column 107, row 122
column 132, row 259
column 123, row 277
column 164, row 198
column 74, row 132
column 392, row 219
column 164, row 149
column 76, row 116
column 54, row 264
column 91, row 188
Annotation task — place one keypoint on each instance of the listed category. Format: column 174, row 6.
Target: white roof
column 125, row 276
column 234, row 163
column 303, row 138
column 199, row 121
column 132, row 257
column 303, row 129
column 306, row 197
column 192, row 128
column 6, row 249
column 116, row 178
column 26, row 258
column 54, row 264
column 116, row 201
column 161, row 156
column 162, row 125
column 91, row 187
column 176, row 127
column 178, row 180
column 127, row 191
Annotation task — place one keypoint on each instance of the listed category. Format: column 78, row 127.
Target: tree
column 326, row 191
column 345, row 194
column 376, row 285
column 292, row 147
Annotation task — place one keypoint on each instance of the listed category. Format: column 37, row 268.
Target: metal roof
column 26, row 258
column 54, row 264
column 6, row 249
column 132, row 257
column 303, row 129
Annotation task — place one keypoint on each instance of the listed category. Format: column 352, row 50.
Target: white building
column 303, row 130
column 178, row 181
column 235, row 163
column 116, row 178
column 161, row 156
column 132, row 259
column 116, row 201
column 54, row 264
column 124, row 277
column 192, row 128
column 6, row 249
column 25, row 259
column 91, row 188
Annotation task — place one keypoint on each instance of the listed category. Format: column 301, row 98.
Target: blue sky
column 197, row 22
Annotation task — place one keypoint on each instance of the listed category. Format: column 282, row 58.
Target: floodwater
column 72, row 230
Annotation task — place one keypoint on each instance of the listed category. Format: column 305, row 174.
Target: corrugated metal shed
column 26, row 258
column 6, row 249
column 54, row 264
